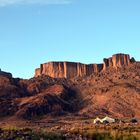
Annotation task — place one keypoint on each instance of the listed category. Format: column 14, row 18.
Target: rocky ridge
column 3, row 73
column 71, row 69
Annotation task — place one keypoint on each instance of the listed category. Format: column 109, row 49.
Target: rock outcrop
column 72, row 69
column 117, row 61
column 3, row 73
column 67, row 69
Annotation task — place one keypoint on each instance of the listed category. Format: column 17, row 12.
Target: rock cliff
column 67, row 69
column 117, row 61
column 72, row 69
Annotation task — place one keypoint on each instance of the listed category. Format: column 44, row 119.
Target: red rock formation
column 106, row 93
column 37, row 72
column 117, row 61
column 67, row 69
column 71, row 69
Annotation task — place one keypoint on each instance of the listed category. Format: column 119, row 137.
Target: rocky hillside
column 36, row 97
column 111, row 92
column 114, row 91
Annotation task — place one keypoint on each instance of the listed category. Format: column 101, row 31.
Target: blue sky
column 37, row 31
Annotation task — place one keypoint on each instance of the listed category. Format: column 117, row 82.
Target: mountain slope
column 113, row 92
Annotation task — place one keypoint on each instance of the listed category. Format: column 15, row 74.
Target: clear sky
column 37, row 31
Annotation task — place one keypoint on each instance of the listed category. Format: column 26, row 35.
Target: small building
column 108, row 119
column 104, row 120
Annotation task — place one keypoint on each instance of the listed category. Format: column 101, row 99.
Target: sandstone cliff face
column 117, row 61
column 37, row 72
column 71, row 69
column 67, row 69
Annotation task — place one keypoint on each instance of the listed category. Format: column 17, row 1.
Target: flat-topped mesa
column 72, row 69
column 117, row 61
column 67, row 69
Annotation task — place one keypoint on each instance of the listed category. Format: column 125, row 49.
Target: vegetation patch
column 29, row 134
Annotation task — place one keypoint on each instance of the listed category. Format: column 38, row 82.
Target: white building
column 104, row 120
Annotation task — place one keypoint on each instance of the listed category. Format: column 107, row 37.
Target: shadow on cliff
column 37, row 97
column 56, row 100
